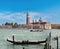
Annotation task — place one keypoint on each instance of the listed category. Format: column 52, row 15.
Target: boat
column 25, row 42
column 35, row 30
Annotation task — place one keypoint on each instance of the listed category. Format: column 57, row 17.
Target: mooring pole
column 50, row 40
column 57, row 42
column 23, row 48
column 13, row 38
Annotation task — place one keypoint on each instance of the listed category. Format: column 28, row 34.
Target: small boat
column 35, row 30
column 25, row 42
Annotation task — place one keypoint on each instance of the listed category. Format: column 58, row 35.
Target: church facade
column 36, row 25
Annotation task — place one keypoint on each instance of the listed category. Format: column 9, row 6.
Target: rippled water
column 26, row 35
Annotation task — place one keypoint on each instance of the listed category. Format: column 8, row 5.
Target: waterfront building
column 36, row 25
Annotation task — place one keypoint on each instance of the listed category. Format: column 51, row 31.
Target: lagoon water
column 21, row 34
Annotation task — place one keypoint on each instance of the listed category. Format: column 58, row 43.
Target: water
column 26, row 35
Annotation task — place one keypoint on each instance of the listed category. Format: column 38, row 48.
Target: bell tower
column 27, row 19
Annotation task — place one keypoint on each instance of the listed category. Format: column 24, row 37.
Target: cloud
column 12, row 17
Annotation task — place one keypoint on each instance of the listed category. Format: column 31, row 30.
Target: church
column 36, row 25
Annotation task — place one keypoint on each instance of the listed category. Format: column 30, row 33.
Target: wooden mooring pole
column 57, row 42
column 13, row 38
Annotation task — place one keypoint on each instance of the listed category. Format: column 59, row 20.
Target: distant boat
column 35, row 30
column 25, row 42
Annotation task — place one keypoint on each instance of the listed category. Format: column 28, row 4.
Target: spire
column 27, row 18
column 40, row 18
column 33, row 20
column 27, row 13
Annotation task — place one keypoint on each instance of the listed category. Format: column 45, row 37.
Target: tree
column 12, row 23
column 6, row 23
column 15, row 24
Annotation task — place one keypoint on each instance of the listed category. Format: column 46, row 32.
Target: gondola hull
column 25, row 42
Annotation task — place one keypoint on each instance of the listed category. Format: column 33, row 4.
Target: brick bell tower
column 27, row 19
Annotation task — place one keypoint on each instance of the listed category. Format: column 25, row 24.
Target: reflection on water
column 26, row 35
column 11, row 46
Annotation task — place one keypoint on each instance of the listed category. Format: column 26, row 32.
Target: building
column 6, row 26
column 55, row 26
column 36, row 25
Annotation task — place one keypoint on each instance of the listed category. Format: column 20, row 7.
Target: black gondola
column 25, row 42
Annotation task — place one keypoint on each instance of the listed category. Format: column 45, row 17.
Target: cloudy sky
column 15, row 10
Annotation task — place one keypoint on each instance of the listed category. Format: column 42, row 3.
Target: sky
column 15, row 10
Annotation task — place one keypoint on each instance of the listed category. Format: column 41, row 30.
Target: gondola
column 25, row 42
